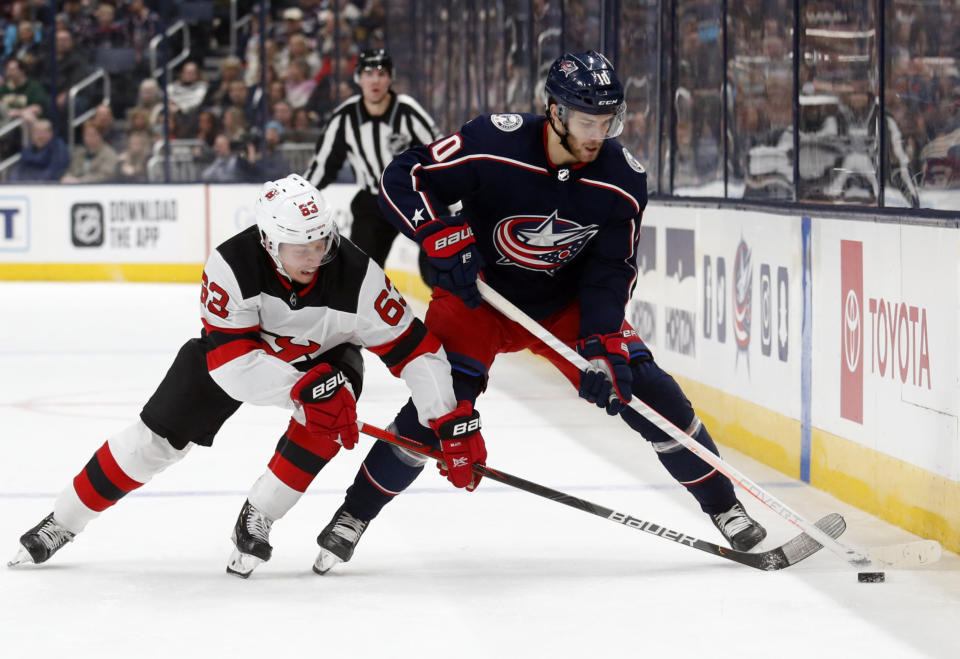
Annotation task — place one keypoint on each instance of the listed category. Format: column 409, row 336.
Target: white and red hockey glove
column 608, row 381
column 461, row 444
column 328, row 404
column 454, row 261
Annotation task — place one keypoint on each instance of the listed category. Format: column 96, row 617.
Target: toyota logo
column 851, row 331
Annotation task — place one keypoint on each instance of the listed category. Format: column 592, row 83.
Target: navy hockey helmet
column 374, row 58
column 586, row 82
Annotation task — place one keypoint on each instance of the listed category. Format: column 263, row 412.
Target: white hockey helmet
column 291, row 210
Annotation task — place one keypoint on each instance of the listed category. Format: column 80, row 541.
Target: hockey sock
column 712, row 490
column 125, row 462
column 298, row 459
column 388, row 470
column 657, row 388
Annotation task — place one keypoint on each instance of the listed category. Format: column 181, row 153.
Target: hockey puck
column 870, row 577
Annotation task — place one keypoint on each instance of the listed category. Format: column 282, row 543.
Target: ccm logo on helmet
column 453, row 238
column 328, row 387
column 611, row 102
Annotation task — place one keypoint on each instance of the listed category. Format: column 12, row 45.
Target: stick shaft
column 853, row 555
column 774, row 559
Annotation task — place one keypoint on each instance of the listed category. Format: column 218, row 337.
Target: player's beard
column 579, row 148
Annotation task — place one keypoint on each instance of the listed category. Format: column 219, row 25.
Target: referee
column 370, row 129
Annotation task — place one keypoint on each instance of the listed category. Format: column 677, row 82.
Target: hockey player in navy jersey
column 284, row 305
column 551, row 217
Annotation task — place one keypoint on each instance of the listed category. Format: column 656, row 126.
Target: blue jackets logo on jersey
column 540, row 243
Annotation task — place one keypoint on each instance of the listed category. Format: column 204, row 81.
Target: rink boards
column 825, row 347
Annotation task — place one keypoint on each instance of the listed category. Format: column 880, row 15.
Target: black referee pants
column 372, row 233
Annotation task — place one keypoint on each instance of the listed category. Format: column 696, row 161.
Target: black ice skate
column 741, row 531
column 338, row 540
column 251, row 536
column 41, row 542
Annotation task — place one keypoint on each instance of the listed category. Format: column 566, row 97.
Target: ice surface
column 442, row 573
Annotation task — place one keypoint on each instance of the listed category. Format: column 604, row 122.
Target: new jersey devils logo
column 284, row 348
column 535, row 242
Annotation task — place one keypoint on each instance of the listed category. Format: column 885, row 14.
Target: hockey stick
column 911, row 554
column 793, row 551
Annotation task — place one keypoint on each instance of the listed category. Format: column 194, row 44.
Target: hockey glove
column 607, row 383
column 461, row 444
column 454, row 261
column 328, row 404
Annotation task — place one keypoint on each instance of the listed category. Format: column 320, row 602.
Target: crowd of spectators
column 923, row 90
column 465, row 58
column 232, row 117
column 839, row 98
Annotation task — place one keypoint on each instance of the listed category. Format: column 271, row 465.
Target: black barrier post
column 661, row 63
column 471, row 31
column 51, row 33
column 563, row 31
column 796, row 100
column 336, row 50
column 164, row 20
column 451, row 89
column 264, row 91
column 672, row 116
column 882, row 104
column 615, row 28
column 724, row 110
column 532, row 55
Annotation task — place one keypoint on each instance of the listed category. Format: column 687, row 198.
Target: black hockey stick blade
column 790, row 553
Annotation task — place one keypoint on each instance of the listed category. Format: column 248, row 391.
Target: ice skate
column 41, row 542
column 251, row 536
column 338, row 540
column 741, row 531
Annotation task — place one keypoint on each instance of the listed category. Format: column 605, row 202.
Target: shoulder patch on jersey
column 507, row 122
column 633, row 162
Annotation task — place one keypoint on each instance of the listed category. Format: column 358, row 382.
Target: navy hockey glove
column 607, row 383
column 330, row 408
column 454, row 261
column 461, row 444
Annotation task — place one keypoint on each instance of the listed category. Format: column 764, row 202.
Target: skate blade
column 325, row 561
column 23, row 556
column 242, row 565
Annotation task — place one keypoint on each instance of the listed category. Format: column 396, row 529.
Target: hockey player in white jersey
column 284, row 306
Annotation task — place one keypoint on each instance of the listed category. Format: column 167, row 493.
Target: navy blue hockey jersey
column 549, row 234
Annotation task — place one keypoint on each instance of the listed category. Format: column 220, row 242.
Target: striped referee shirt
column 369, row 142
